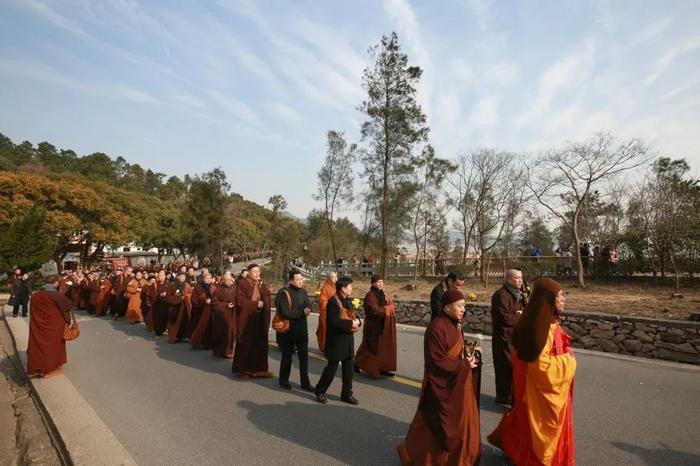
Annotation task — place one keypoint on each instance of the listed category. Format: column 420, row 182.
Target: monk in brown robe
column 327, row 292
column 85, row 291
column 253, row 304
column 75, row 289
column 377, row 352
column 202, row 303
column 161, row 306
column 180, row 309
column 50, row 312
column 103, row 296
column 445, row 429
column 118, row 304
column 148, row 299
column 133, row 296
column 94, row 292
column 223, row 325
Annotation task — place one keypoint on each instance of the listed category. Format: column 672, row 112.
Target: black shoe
column 387, row 374
column 321, row 398
column 504, row 403
column 286, row 386
column 356, row 369
column 308, row 388
column 349, row 399
column 14, row 315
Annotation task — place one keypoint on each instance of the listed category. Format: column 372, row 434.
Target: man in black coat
column 454, row 280
column 340, row 344
column 298, row 334
column 507, row 304
column 19, row 293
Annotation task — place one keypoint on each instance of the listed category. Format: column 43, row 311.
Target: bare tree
column 335, row 180
column 427, row 207
column 562, row 180
column 461, row 199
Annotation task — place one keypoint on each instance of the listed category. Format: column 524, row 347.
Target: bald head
column 332, row 277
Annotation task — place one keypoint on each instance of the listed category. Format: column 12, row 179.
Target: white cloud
column 136, row 95
column 485, row 111
column 481, row 10
column 57, row 19
column 680, row 89
column 283, row 111
column 573, row 69
column 670, row 56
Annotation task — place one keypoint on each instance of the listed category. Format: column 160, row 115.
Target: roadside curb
column 79, row 435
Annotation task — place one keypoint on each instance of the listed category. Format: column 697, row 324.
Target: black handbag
column 11, row 301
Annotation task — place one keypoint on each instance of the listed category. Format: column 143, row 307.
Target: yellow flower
column 471, row 296
column 356, row 303
column 318, row 293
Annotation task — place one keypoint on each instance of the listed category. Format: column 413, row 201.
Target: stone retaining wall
column 671, row 340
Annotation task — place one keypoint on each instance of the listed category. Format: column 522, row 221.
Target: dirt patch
column 639, row 298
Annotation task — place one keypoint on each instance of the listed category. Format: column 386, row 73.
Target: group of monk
column 232, row 318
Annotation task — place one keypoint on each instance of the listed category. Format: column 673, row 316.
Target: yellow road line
column 397, row 378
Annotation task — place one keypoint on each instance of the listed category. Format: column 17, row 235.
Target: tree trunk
column 676, row 273
column 330, row 234
column 577, row 245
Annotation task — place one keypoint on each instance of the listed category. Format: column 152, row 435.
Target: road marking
column 397, row 378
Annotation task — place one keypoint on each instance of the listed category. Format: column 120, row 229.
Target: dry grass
column 635, row 298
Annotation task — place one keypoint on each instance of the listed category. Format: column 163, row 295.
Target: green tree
column 395, row 125
column 27, row 242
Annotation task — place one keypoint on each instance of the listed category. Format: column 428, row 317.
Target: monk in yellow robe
column 539, row 429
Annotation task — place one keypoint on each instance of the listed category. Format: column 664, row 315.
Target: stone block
column 620, row 337
column 634, row 345
column 608, row 345
column 586, row 341
column 642, row 336
column 672, row 337
column 644, row 327
column 576, row 328
column 685, row 348
column 604, row 334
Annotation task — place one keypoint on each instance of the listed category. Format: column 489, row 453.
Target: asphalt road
column 169, row 404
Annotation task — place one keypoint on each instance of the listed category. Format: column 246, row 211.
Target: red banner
column 120, row 263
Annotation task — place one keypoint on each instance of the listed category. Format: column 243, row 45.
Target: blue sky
column 182, row 86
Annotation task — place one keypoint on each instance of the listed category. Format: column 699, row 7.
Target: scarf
column 256, row 289
column 380, row 295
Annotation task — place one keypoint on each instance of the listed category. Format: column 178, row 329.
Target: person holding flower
column 340, row 344
column 377, row 353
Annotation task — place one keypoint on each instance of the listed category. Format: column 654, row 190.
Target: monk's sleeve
column 199, row 297
column 219, row 303
column 553, row 373
column 173, row 297
column 333, row 319
column 323, row 300
column 437, row 349
column 65, row 305
column 501, row 313
column 372, row 307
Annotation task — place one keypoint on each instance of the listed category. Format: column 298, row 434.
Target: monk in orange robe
column 539, row 429
column 202, row 302
column 377, row 352
column 50, row 312
column 327, row 292
column 133, row 297
column 223, row 324
column 253, row 304
column 180, row 309
column 104, row 287
column 445, row 429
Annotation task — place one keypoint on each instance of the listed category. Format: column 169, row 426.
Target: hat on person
column 376, row 277
column 451, row 296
